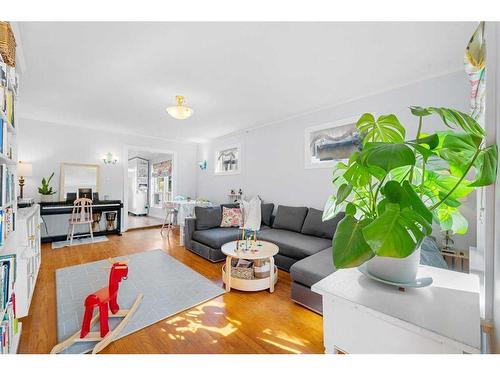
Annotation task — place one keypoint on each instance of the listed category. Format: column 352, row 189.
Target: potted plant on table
column 45, row 190
column 394, row 189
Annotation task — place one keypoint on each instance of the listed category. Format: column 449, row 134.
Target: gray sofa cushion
column 207, row 217
column 315, row 226
column 312, row 269
column 216, row 237
column 266, row 210
column 290, row 218
column 292, row 244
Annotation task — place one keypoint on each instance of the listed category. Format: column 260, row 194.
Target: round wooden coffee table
column 260, row 250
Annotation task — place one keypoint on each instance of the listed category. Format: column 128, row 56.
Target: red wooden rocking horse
column 105, row 299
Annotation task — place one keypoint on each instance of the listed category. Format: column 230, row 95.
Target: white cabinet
column 363, row 316
column 29, row 259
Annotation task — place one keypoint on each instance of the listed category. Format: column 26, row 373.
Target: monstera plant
column 399, row 184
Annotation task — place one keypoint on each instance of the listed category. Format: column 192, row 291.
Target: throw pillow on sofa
column 290, row 218
column 315, row 226
column 207, row 217
column 231, row 217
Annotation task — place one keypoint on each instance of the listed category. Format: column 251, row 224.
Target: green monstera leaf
column 387, row 156
column 453, row 118
column 486, row 165
column 335, row 203
column 450, row 218
column 386, row 128
column 396, row 232
column 440, row 182
column 348, row 245
column 405, row 196
column 357, row 174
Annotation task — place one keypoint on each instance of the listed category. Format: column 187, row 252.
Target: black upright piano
column 65, row 208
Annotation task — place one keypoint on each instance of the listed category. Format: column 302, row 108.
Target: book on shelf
column 9, row 100
column 3, row 131
column 7, row 185
column 8, row 320
column 1, row 227
column 9, row 328
column 3, row 85
column 7, row 278
column 9, row 84
column 7, row 223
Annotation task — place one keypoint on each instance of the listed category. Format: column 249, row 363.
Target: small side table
column 262, row 250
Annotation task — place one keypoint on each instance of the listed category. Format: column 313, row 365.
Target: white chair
column 81, row 215
column 170, row 212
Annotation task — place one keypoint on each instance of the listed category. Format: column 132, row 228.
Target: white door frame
column 126, row 149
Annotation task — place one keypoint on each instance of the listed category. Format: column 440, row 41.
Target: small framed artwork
column 85, row 193
column 228, row 160
column 327, row 144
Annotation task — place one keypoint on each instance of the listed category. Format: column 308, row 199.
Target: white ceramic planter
column 47, row 198
column 399, row 270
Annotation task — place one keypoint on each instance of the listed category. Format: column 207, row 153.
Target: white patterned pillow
column 252, row 215
column 231, row 217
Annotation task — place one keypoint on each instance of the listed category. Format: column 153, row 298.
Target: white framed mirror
column 76, row 176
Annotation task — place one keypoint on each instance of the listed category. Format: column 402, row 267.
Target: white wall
column 492, row 209
column 273, row 156
column 47, row 145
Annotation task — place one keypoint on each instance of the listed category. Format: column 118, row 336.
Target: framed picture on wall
column 327, row 144
column 228, row 160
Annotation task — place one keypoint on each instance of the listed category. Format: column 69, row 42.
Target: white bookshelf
column 8, row 159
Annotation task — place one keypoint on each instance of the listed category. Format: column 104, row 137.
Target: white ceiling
column 121, row 76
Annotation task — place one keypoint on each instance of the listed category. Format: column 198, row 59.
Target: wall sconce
column 109, row 158
column 202, row 165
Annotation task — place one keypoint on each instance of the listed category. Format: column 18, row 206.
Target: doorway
column 149, row 184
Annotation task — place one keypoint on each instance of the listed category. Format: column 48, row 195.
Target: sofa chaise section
column 293, row 246
column 307, row 272
column 312, row 269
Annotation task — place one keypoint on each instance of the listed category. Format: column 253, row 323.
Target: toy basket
column 261, row 268
column 7, row 44
column 242, row 272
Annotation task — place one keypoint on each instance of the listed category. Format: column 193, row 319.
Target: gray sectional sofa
column 304, row 240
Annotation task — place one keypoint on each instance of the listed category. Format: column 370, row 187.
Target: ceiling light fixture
column 180, row 111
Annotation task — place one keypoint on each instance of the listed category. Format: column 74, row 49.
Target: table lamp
column 23, row 170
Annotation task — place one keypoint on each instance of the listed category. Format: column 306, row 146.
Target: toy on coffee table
column 105, row 300
column 248, row 241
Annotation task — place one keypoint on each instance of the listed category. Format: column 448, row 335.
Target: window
column 327, row 144
column 161, row 183
column 227, row 161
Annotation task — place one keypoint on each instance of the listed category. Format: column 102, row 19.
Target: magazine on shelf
column 8, row 222
column 3, row 85
column 8, row 320
column 3, row 130
column 2, row 182
column 8, row 276
column 7, row 185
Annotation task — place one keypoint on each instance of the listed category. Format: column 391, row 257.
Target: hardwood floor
column 236, row 322
column 135, row 222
